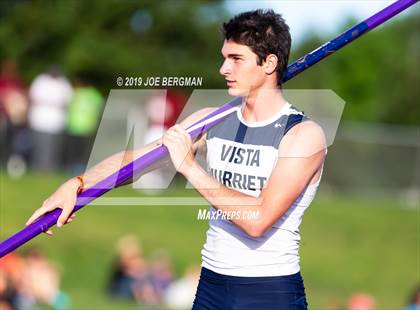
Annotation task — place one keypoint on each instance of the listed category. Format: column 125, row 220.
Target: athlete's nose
column 225, row 69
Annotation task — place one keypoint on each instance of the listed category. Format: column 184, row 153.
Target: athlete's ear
column 270, row 63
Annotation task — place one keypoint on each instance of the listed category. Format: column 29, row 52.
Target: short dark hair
column 265, row 32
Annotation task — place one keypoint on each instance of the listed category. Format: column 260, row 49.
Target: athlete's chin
column 237, row 92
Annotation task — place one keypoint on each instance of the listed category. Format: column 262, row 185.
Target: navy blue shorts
column 220, row 292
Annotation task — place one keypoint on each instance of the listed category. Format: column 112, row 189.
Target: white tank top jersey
column 242, row 155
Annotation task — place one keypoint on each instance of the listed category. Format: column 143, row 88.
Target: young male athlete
column 265, row 158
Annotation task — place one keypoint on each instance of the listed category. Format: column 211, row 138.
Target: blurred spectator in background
column 83, row 116
column 49, row 93
column 180, row 294
column 149, row 292
column 129, row 268
column 414, row 300
column 7, row 292
column 361, row 301
column 145, row 294
column 14, row 137
column 133, row 278
column 11, row 268
column 162, row 113
column 161, row 271
column 26, row 283
column 41, row 284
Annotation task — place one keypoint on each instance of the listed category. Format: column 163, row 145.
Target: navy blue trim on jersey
column 232, row 129
column 292, row 121
column 240, row 134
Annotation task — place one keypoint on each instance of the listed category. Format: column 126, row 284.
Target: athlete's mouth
column 230, row 83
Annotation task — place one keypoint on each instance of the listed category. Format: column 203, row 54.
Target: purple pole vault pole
column 138, row 165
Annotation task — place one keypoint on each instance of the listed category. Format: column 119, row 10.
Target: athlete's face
column 240, row 69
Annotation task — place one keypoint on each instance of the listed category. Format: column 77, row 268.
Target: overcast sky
column 304, row 17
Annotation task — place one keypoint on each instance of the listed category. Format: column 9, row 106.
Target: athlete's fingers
column 170, row 140
column 65, row 214
column 71, row 218
column 182, row 132
column 177, row 128
column 167, row 141
column 33, row 217
column 173, row 133
column 39, row 212
column 171, row 129
column 180, row 135
column 46, row 207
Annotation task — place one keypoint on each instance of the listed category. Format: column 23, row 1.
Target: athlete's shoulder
column 303, row 140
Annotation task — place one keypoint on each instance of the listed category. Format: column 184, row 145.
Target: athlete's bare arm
column 65, row 196
column 301, row 155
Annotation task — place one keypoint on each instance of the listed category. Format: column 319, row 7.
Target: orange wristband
column 82, row 184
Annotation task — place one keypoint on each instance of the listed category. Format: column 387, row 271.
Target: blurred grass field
column 348, row 243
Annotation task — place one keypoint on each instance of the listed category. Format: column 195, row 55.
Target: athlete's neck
column 261, row 106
